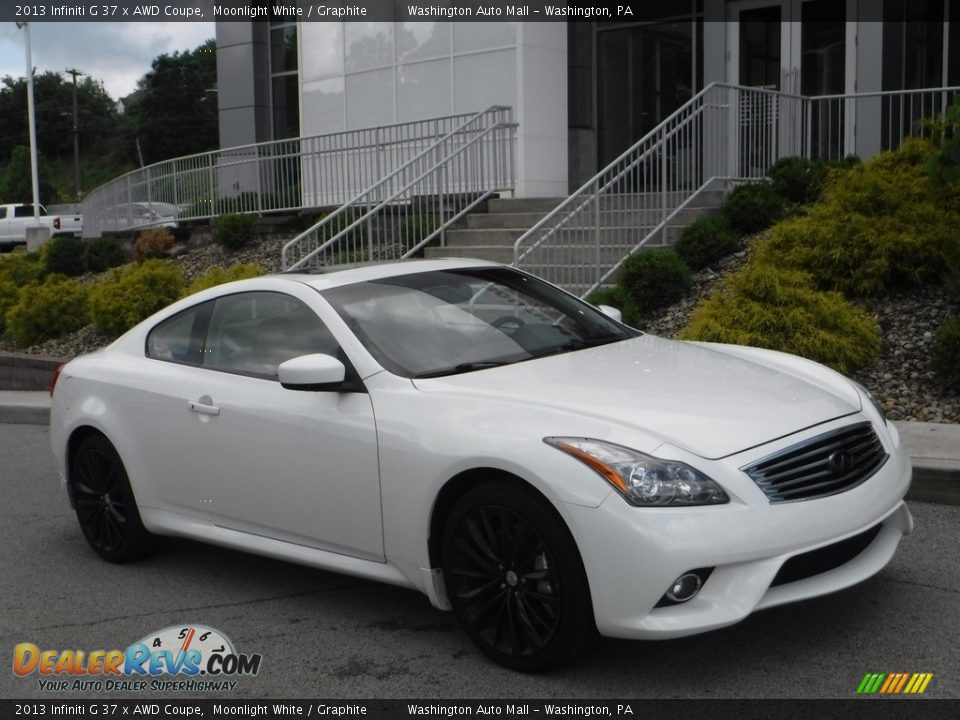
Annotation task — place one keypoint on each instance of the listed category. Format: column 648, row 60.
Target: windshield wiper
column 580, row 344
column 462, row 368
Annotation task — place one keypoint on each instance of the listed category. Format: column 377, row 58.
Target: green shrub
column 417, row 226
column 21, row 268
column 233, row 230
column 65, row 257
column 46, row 311
column 9, row 294
column 779, row 309
column 616, row 297
column 705, row 241
column 796, row 179
column 943, row 165
column 154, row 243
column 133, row 293
column 945, row 357
column 877, row 229
column 752, row 207
column 653, row 278
column 102, row 254
column 218, row 276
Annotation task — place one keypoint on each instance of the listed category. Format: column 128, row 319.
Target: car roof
column 375, row 271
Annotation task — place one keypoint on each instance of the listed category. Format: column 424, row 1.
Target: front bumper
column 632, row 555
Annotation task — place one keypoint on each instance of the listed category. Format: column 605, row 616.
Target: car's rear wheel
column 106, row 509
column 515, row 578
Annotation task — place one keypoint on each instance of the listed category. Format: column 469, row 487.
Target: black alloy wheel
column 515, row 578
column 104, row 502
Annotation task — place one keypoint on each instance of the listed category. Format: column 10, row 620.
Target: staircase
column 491, row 234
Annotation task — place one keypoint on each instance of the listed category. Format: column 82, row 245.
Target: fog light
column 685, row 587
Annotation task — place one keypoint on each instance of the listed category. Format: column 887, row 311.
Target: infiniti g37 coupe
column 470, row 431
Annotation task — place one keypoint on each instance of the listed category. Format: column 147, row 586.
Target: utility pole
column 31, row 118
column 74, row 73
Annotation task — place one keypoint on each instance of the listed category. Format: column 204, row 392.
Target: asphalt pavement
column 330, row 636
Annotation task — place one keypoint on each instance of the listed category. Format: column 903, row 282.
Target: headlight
column 873, row 401
column 642, row 480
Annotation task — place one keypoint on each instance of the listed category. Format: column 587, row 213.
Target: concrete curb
column 935, row 447
column 24, row 407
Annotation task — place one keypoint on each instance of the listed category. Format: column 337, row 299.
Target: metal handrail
column 724, row 134
column 428, row 184
column 275, row 176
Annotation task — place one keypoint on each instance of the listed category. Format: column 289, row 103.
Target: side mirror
column 611, row 312
column 312, row 373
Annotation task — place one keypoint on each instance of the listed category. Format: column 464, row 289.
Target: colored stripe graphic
column 900, row 684
column 894, row 683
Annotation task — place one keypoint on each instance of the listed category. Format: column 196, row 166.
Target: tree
column 101, row 145
column 16, row 182
column 172, row 113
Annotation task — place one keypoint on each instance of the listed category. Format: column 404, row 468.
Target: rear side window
column 27, row 211
column 179, row 339
column 3, row 213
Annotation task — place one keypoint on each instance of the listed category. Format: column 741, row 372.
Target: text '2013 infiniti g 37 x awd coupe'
column 470, row 431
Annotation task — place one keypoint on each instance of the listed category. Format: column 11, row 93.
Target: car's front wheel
column 515, row 578
column 104, row 502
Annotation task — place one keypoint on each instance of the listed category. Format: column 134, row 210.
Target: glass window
column 823, row 43
column 286, row 107
column 179, row 339
column 252, row 333
column 448, row 322
column 283, row 49
column 27, row 211
column 644, row 73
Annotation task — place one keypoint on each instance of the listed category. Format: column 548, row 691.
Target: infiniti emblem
column 840, row 462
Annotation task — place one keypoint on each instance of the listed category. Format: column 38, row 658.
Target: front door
column 644, row 73
column 799, row 48
column 295, row 466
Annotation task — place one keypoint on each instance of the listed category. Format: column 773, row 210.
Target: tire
column 515, row 578
column 106, row 509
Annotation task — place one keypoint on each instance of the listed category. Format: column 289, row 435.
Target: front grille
column 825, row 465
column 808, row 564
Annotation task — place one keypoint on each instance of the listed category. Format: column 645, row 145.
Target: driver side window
column 252, row 333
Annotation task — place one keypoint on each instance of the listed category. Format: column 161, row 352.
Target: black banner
column 865, row 709
column 396, row 10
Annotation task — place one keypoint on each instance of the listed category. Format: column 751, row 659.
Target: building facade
column 581, row 92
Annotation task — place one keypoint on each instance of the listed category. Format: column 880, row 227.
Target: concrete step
column 575, row 255
column 708, row 198
column 616, row 236
column 487, row 221
column 465, row 238
column 493, row 253
column 631, row 217
column 522, row 205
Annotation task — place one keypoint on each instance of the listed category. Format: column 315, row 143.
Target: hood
column 694, row 397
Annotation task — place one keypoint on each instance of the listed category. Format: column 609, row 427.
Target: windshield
column 451, row 321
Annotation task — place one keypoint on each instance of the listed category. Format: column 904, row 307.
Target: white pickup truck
column 15, row 218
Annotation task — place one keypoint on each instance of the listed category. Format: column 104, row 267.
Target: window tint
column 252, row 333
column 444, row 322
column 27, row 211
column 3, row 213
column 179, row 339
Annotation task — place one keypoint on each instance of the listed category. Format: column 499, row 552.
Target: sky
column 118, row 54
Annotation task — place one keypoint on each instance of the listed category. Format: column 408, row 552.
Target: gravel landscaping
column 900, row 378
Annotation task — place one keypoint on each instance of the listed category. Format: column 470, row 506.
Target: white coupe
column 477, row 434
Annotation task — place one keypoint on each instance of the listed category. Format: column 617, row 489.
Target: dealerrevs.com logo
column 199, row 657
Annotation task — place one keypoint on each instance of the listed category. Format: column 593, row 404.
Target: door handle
column 198, row 406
